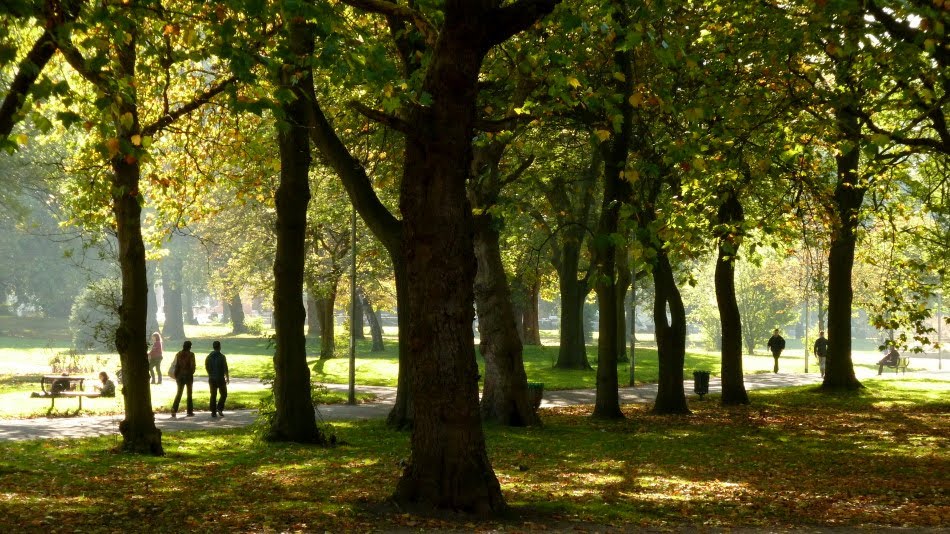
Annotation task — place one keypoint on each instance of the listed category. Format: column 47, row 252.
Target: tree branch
column 390, row 9
column 500, row 125
column 381, row 117
column 509, row 20
column 196, row 103
column 27, row 73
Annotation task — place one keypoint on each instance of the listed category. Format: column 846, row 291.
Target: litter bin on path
column 701, row 383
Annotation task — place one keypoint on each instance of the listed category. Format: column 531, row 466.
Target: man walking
column 218, row 378
column 821, row 351
column 776, row 344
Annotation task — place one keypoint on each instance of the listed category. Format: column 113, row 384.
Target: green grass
column 794, row 459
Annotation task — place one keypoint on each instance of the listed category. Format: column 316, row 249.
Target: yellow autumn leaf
column 112, row 145
column 619, row 76
column 603, row 135
column 573, row 82
column 636, row 99
column 21, row 139
column 136, row 140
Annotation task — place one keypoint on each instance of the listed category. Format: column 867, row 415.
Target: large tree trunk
column 225, row 311
column 670, row 339
column 139, row 434
column 530, row 317
column 151, row 318
column 237, row 315
column 733, row 387
column 294, row 418
column 375, row 329
column 174, row 327
column 448, row 466
column 572, row 354
column 849, row 195
column 327, row 322
column 358, row 320
column 505, row 395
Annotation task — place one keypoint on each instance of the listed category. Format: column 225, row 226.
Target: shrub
column 254, row 326
column 95, row 316
column 72, row 361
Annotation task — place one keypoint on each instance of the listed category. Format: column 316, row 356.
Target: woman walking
column 155, row 359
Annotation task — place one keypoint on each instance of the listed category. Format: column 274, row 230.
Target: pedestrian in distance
column 821, row 351
column 776, row 344
column 184, row 378
column 218, row 378
column 155, row 359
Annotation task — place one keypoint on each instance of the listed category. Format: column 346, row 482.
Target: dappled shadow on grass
column 791, row 459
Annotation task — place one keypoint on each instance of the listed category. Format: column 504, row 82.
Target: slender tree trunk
column 294, row 418
column 505, row 396
column 401, row 416
column 733, row 387
column 313, row 320
column 849, row 195
column 327, row 325
column 225, row 310
column 530, row 319
column 375, row 329
column 189, row 305
column 151, row 319
column 359, row 321
column 670, row 339
column 139, row 434
column 174, row 328
column 237, row 315
column 572, row 353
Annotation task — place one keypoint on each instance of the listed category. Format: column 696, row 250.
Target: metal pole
column 633, row 325
column 939, row 330
column 353, row 308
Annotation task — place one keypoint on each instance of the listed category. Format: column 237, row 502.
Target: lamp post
column 352, row 390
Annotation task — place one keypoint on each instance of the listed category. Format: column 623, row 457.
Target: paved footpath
column 77, row 427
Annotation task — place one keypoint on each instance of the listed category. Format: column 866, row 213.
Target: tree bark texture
column 236, row 306
column 294, row 419
column 572, row 354
column 313, row 323
column 401, row 416
column 670, row 338
column 327, row 325
column 448, row 466
column 151, row 319
column 530, row 317
column 174, row 328
column 733, row 387
column 505, row 395
column 375, row 329
column 139, row 434
column 359, row 321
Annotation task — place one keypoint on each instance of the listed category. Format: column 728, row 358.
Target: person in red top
column 184, row 377
column 155, row 359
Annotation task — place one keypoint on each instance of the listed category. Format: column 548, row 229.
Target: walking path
column 77, row 427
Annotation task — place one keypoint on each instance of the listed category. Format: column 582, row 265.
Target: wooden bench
column 59, row 386
column 901, row 365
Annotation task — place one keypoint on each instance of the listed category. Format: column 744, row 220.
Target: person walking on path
column 821, row 351
column 776, row 344
column 155, row 359
column 184, row 377
column 218, row 378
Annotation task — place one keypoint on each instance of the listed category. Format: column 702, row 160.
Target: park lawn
column 794, row 459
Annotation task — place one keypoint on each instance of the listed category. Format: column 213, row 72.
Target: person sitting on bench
column 107, row 389
column 891, row 360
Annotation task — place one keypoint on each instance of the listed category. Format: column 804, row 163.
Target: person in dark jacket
column 776, row 344
column 821, row 351
column 218, row 378
column 890, row 360
column 184, row 377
